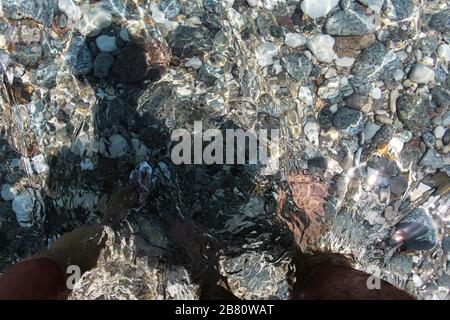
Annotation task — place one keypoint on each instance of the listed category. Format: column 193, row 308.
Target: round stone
column 294, row 40
column 421, row 74
column 106, row 43
column 439, row 132
column 7, row 192
column 443, row 52
column 316, row 9
column 321, row 46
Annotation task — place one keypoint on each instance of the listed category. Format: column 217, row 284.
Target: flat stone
column 351, row 46
column 106, row 43
column 294, row 40
column 102, row 65
column 188, row 41
column 376, row 60
column 94, row 21
column 350, row 23
column 317, row 9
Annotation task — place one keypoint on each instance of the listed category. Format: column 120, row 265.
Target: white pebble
column 439, row 132
column 376, row 93
column 398, row 74
column 265, row 53
column 421, row 74
column 321, row 46
column 304, row 94
column 70, row 9
column 345, row 62
column 94, row 21
column 444, row 52
column 194, row 63
column 106, row 43
column 7, row 192
column 316, row 9
column 39, row 164
column 294, row 40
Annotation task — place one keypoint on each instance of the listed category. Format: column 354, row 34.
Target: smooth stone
column 370, row 130
column 22, row 206
column 345, row 62
column 376, row 93
column 359, row 102
column 439, row 21
column 417, row 280
column 376, row 61
column 194, row 63
column 398, row 74
column 351, row 46
column 41, row 11
column 398, row 185
column 432, row 159
column 304, row 94
column 7, row 192
column 294, row 40
column 124, row 35
column 106, row 43
column 312, row 131
column 399, row 9
column 265, row 53
column 335, row 89
column 316, row 9
column 114, row 147
column 412, row 112
column 94, row 21
column 421, row 74
column 186, row 41
column 429, row 139
column 350, row 23
column 102, row 65
column 321, row 47
column 70, row 9
column 443, row 52
column 439, row 132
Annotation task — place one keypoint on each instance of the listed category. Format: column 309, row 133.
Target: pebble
column 106, row 43
column 421, row 74
column 171, row 8
column 304, row 94
column 297, row 66
column 370, row 130
column 102, row 65
column 439, row 132
column 443, row 52
column 23, row 205
column 374, row 5
column 70, row 9
column 114, row 147
column 412, row 111
column 7, row 192
column 417, row 280
column 78, row 57
column 350, row 23
column 94, row 21
column 398, row 74
column 265, row 53
column 317, row 9
column 345, row 62
column 321, row 47
column 398, row 185
column 376, row 93
column 294, row 40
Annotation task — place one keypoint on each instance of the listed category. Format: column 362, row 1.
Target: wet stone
column 188, row 41
column 102, row 65
column 446, row 244
column 171, row 8
column 361, row 85
column 352, row 45
column 79, row 58
column 385, row 167
column 349, row 120
column 297, row 66
column 398, row 185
